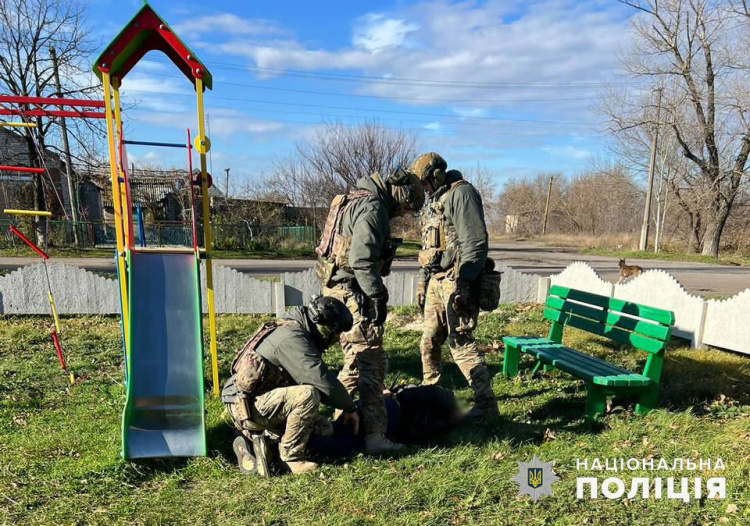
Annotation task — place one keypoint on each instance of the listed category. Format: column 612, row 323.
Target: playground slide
column 164, row 414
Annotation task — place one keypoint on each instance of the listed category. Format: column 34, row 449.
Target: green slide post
column 164, row 410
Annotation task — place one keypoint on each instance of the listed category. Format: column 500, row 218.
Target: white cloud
column 375, row 32
column 432, row 126
column 228, row 24
column 488, row 51
column 470, row 112
column 567, row 151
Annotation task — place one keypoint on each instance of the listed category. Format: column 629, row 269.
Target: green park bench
column 645, row 328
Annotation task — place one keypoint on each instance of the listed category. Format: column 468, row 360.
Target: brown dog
column 628, row 271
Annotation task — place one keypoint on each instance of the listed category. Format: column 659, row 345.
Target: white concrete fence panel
column 720, row 323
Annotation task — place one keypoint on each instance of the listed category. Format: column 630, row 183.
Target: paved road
column 698, row 278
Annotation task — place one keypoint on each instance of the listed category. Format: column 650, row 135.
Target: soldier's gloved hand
column 379, row 311
column 462, row 297
column 421, row 295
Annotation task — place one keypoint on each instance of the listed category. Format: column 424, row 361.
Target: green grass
column 60, row 464
column 733, row 260
column 409, row 249
column 70, row 252
column 60, row 252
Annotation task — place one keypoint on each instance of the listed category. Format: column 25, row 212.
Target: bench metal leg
column 647, row 400
column 510, row 361
column 596, row 402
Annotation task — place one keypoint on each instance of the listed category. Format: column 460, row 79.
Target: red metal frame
column 145, row 32
column 28, row 242
column 21, row 169
column 39, row 107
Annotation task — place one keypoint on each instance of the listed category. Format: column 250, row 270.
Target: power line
column 377, row 110
column 322, row 75
column 326, row 115
column 416, row 129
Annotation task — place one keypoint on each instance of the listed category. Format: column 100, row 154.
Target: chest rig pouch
column 333, row 249
column 253, row 374
column 438, row 234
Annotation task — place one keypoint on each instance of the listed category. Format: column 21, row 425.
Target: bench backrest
column 646, row 328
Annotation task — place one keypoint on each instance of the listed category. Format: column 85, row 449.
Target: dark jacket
column 366, row 221
column 464, row 210
column 300, row 353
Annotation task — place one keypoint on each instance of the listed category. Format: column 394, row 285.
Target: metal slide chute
column 164, row 414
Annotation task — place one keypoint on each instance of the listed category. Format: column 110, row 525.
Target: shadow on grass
column 689, row 381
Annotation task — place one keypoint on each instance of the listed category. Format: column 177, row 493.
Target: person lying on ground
column 415, row 415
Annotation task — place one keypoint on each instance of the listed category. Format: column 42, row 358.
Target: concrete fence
column 717, row 323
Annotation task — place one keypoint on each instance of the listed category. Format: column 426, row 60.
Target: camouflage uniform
column 355, row 250
column 365, row 363
column 454, row 250
column 293, row 385
column 292, row 409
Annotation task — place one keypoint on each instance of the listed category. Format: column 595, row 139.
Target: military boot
column 263, row 455
column 483, row 410
column 245, row 459
column 379, row 444
column 297, row 467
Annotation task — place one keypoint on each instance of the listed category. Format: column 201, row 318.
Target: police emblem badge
column 535, row 478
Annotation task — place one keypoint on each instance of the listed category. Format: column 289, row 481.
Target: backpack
column 333, row 249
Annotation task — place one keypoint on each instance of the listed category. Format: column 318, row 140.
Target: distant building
column 15, row 187
column 162, row 194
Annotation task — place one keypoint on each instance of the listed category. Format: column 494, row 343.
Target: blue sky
column 511, row 85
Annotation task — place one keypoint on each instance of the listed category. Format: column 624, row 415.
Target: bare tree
column 484, row 181
column 332, row 162
column 28, row 30
column 690, row 48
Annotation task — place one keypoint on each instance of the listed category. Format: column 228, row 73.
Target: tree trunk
column 714, row 230
column 39, row 223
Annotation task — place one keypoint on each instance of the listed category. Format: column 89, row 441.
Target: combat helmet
column 406, row 190
column 430, row 168
column 330, row 316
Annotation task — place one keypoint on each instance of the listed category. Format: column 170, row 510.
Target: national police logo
column 535, row 478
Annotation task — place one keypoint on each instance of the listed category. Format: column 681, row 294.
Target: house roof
column 145, row 32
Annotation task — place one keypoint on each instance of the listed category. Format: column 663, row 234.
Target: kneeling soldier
column 454, row 253
column 278, row 381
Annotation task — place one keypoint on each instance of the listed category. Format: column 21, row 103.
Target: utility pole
column 226, row 185
column 651, row 168
column 546, row 205
column 66, row 150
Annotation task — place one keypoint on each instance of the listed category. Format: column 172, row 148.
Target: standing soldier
column 355, row 252
column 454, row 252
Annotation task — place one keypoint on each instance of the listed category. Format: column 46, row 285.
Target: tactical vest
column 438, row 234
column 253, row 374
column 333, row 249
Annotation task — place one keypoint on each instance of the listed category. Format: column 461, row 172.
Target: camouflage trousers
column 292, row 409
column 441, row 322
column 365, row 363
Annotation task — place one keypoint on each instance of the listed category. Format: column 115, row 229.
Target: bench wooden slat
column 596, row 370
column 595, row 366
column 613, row 318
column 608, row 331
column 588, row 370
column 665, row 317
column 525, row 341
column 579, row 295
